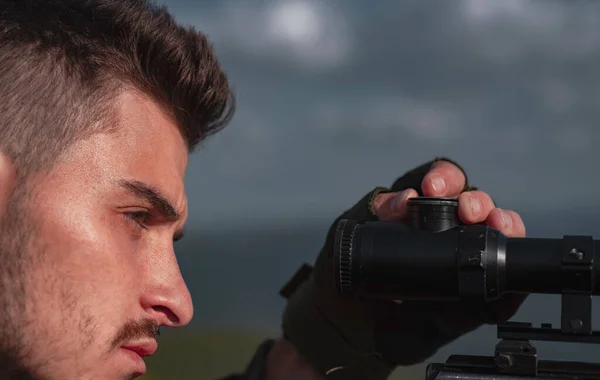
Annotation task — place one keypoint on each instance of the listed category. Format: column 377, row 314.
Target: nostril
column 172, row 317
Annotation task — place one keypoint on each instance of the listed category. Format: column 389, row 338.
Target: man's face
column 101, row 271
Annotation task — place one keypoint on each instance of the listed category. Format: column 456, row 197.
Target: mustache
column 145, row 328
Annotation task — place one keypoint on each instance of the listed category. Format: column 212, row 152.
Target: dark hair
column 63, row 61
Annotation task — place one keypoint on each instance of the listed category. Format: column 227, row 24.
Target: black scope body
column 436, row 257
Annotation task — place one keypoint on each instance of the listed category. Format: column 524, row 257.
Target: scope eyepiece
column 346, row 230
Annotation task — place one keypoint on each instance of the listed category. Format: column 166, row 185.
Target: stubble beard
column 15, row 234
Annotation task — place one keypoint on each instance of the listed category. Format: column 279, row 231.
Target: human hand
column 380, row 333
column 449, row 319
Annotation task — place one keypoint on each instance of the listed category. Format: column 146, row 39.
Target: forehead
column 151, row 140
column 146, row 146
column 147, row 131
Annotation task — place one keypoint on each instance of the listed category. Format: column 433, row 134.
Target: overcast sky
column 338, row 96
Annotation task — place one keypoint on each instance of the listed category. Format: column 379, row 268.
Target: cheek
column 90, row 252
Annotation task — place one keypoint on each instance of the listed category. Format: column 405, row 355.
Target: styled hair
column 62, row 62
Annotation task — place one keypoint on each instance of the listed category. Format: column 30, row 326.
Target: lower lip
column 137, row 359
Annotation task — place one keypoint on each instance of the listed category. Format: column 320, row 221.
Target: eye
column 140, row 218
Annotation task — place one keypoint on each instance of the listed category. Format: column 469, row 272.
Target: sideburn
column 16, row 233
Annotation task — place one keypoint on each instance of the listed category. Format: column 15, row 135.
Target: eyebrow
column 156, row 199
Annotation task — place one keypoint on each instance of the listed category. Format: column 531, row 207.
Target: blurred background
column 338, row 96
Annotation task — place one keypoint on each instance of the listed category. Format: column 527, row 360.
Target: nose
column 166, row 298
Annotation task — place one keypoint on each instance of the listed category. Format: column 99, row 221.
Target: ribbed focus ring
column 346, row 241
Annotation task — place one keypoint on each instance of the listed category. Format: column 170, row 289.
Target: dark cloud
column 336, row 101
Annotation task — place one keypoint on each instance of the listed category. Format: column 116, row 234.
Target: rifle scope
column 436, row 257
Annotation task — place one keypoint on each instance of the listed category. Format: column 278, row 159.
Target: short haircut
column 63, row 61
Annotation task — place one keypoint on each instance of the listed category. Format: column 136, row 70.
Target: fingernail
column 438, row 184
column 475, row 205
column 506, row 219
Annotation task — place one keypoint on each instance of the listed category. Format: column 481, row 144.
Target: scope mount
column 515, row 355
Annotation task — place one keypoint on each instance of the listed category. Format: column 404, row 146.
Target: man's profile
column 98, row 117
column 102, row 102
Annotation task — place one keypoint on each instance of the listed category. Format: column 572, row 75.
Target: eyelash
column 138, row 217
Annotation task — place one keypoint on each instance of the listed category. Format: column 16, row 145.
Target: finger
column 474, row 206
column 508, row 222
column 392, row 206
column 443, row 180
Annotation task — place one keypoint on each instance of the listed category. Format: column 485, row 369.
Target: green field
column 215, row 354
column 211, row 355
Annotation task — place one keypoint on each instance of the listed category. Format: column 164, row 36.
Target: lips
column 146, row 348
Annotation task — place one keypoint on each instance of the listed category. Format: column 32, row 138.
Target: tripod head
column 436, row 257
